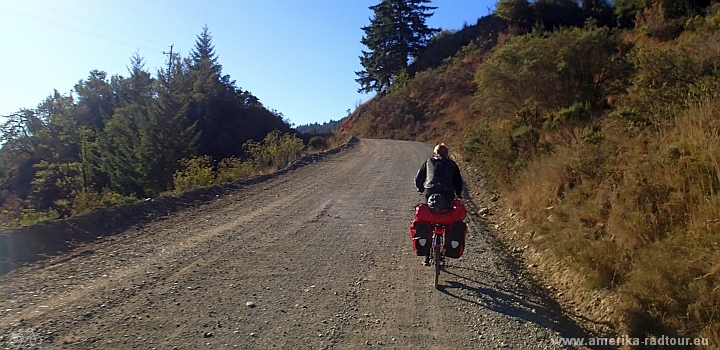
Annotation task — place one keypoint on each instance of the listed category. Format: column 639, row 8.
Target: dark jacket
column 439, row 173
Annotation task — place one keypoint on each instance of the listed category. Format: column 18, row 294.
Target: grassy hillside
column 608, row 144
column 436, row 102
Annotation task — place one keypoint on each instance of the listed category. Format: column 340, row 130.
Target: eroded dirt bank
column 316, row 258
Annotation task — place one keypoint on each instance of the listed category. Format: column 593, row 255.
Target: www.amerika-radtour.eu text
column 626, row 340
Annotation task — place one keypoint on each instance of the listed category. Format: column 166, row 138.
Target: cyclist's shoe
column 426, row 262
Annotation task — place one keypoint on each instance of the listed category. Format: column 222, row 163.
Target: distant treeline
column 316, row 128
column 118, row 138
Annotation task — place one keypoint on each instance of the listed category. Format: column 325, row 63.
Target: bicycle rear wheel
column 437, row 264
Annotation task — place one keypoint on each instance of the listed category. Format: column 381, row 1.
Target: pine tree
column 396, row 34
column 209, row 102
column 96, row 100
column 203, row 55
column 176, row 135
column 225, row 115
column 138, row 88
column 205, row 71
column 127, row 144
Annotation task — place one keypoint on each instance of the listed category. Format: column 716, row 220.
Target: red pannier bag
column 457, row 212
column 421, row 235
column 421, row 228
column 455, row 239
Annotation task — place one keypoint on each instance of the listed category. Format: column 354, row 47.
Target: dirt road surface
column 317, row 258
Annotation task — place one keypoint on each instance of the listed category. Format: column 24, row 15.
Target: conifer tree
column 126, row 142
column 95, row 100
column 176, row 136
column 70, row 141
column 203, row 55
column 396, row 34
column 517, row 12
column 225, row 115
column 138, row 87
column 209, row 97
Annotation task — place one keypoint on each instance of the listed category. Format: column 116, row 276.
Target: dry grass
column 644, row 222
column 676, row 279
column 543, row 184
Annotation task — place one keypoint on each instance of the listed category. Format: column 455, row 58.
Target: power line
column 41, row 20
column 95, row 24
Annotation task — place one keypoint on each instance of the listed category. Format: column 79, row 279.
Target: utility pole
column 170, row 58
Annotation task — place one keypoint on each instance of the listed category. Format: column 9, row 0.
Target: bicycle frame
column 438, row 250
column 437, row 238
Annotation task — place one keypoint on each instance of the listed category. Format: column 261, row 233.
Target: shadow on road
column 522, row 304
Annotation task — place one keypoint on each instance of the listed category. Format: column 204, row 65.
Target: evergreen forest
column 117, row 139
column 317, row 128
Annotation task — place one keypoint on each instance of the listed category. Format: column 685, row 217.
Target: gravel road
column 317, row 258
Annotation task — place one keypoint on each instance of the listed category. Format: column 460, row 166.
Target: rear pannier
column 455, row 239
column 455, row 234
column 421, row 233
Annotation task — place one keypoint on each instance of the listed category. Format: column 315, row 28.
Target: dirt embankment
column 317, row 257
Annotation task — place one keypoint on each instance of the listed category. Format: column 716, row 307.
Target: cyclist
column 439, row 175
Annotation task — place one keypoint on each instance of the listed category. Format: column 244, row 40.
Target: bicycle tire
column 437, row 265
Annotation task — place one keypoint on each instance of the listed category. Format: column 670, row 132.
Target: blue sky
column 297, row 57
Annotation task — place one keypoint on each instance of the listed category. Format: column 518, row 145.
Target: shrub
column 89, row 199
column 194, row 173
column 231, row 169
column 30, row 216
column 652, row 22
column 275, row 151
column 490, row 148
column 630, row 197
column 318, row 143
column 544, row 74
column 673, row 75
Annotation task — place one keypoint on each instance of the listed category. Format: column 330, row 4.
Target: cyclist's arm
column 420, row 177
column 457, row 182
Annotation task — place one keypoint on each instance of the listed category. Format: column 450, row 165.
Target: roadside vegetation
column 118, row 139
column 603, row 132
column 275, row 152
